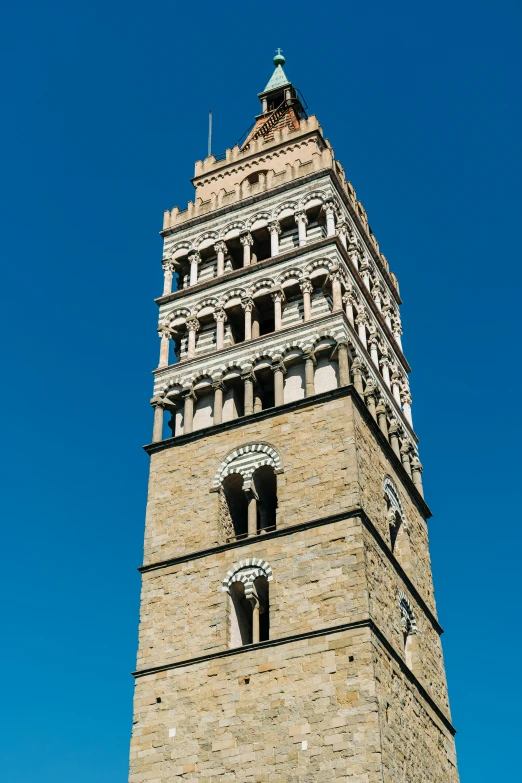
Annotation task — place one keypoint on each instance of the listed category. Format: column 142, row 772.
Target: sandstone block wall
column 336, row 706
column 373, row 465
column 317, row 448
column 416, row 746
column 319, row 582
column 245, row 718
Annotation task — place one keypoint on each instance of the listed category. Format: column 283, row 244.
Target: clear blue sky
column 104, row 111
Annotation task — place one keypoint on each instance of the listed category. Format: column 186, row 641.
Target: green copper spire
column 278, row 78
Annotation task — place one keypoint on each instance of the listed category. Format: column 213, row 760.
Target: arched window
column 265, row 484
column 247, row 584
column 409, row 633
column 399, row 538
column 247, row 484
column 234, row 510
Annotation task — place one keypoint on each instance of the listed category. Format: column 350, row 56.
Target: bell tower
column 288, row 628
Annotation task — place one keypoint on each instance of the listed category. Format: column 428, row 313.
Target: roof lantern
column 279, row 89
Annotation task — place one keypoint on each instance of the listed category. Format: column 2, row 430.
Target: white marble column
column 330, row 218
column 344, row 368
column 309, row 374
column 342, row 232
column 394, row 437
column 406, row 405
column 168, row 271
column 377, row 295
column 349, row 302
column 337, row 301
column 386, row 311
column 353, row 252
column 307, row 290
column 219, row 388
column 381, row 418
column 188, row 412
column 362, row 322
column 220, row 317
column 397, row 331
column 157, row 430
column 220, row 249
column 395, row 387
column 357, row 372
column 279, row 383
column 165, row 334
column 248, row 305
column 277, row 298
column 302, row 222
column 247, row 242
column 248, row 388
column 192, row 328
column 385, row 369
column 416, row 471
column 365, row 270
column 374, row 353
column 194, row 259
column 275, row 230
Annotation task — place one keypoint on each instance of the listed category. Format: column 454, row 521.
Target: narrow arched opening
column 241, row 611
column 265, row 484
column 249, row 612
column 235, row 507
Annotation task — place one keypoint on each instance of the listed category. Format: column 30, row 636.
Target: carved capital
column 277, row 296
column 416, row 464
column 194, row 257
column 306, row 286
column 220, row 247
column 165, row 331
column 158, row 402
column 274, row 227
column 220, row 315
column 246, row 239
column 329, row 206
column 193, row 324
column 247, row 304
column 278, row 366
column 300, row 217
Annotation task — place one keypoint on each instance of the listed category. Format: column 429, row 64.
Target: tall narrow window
column 409, row 634
column 265, row 483
column 235, row 507
column 399, row 537
column 249, row 602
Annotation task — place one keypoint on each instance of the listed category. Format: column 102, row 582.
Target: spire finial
column 279, row 59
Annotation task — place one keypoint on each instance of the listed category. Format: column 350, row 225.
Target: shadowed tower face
column 288, row 628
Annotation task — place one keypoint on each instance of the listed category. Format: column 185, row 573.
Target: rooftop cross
column 279, row 59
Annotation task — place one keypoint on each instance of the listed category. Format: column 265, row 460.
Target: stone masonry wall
column 319, row 582
column 244, row 719
column 416, row 746
column 373, row 466
column 317, row 448
column 383, row 587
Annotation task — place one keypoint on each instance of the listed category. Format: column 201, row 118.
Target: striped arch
column 259, row 216
column 317, row 196
column 408, row 621
column 246, row 460
column 246, row 572
column 181, row 246
column 392, row 495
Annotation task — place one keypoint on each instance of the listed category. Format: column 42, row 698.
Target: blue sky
column 104, row 111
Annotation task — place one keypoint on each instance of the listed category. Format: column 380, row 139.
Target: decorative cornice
column 250, row 648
